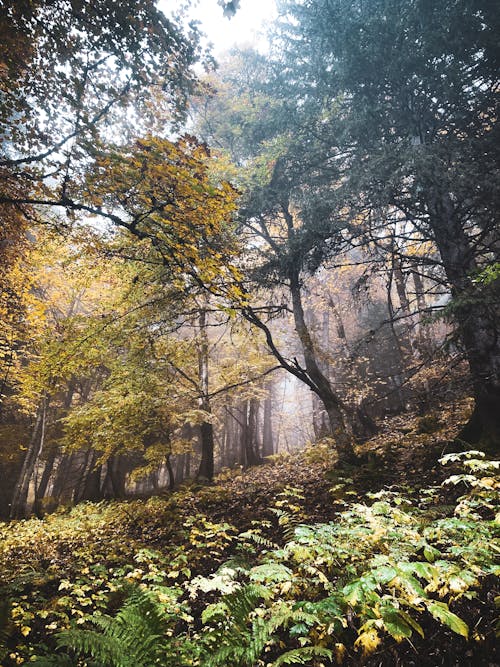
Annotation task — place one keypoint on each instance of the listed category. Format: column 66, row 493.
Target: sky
column 251, row 17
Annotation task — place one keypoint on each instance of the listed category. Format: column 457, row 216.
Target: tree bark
column 206, row 469
column 250, row 456
column 187, row 469
column 170, row 470
column 39, row 506
column 477, row 318
column 423, row 333
column 89, row 487
column 18, row 506
column 179, row 467
column 117, row 469
column 64, row 465
column 267, row 426
column 320, row 384
column 42, row 487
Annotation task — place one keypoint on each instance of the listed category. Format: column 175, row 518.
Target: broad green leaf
column 270, row 573
column 426, row 571
column 384, row 574
column 411, row 622
column 441, row 612
column 431, row 553
column 394, row 623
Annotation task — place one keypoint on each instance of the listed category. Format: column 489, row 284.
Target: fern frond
column 284, row 615
column 261, row 636
column 287, row 521
column 242, row 602
column 303, row 656
column 259, row 539
column 135, row 637
column 241, row 640
column 89, row 642
column 233, row 653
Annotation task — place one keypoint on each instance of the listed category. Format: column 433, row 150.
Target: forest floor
column 58, row 569
column 404, row 455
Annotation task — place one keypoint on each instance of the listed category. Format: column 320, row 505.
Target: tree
column 279, row 240
column 69, row 70
column 96, row 381
column 15, row 285
column 404, row 94
column 41, row 391
column 72, row 74
column 168, row 218
column 162, row 193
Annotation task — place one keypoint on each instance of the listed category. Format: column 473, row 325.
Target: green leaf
column 394, row 623
column 360, row 590
column 441, row 612
column 426, row 571
column 431, row 553
column 214, row 611
column 411, row 622
column 270, row 573
column 384, row 574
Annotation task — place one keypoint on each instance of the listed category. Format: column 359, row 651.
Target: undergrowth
column 388, row 571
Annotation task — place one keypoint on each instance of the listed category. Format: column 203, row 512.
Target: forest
column 249, row 335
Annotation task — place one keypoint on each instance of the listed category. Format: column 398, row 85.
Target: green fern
column 135, row 637
column 255, row 535
column 286, row 614
column 288, row 522
column 303, row 656
column 237, row 639
column 242, row 602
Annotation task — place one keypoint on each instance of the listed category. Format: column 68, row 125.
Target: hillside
column 292, row 562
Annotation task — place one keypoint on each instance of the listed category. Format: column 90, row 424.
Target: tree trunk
column 320, row 422
column 170, row 470
column 64, row 466
column 477, row 317
column 39, row 506
column 18, row 506
column 117, row 468
column 400, row 282
column 400, row 319
column 423, row 333
column 267, row 426
column 233, row 440
column 250, row 454
column 179, row 467
column 42, row 487
column 43, row 484
column 321, row 385
column 206, row 469
column 89, row 487
column 187, row 469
